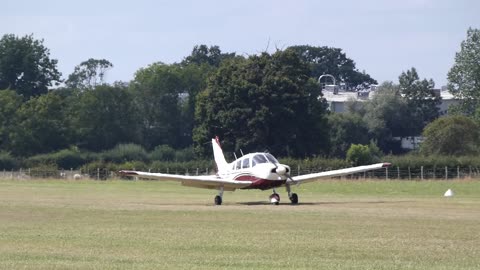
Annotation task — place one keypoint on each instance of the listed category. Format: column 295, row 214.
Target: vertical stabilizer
column 222, row 164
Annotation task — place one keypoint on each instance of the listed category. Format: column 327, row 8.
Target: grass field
column 160, row 225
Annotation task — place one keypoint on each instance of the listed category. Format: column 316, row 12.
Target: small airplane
column 251, row 171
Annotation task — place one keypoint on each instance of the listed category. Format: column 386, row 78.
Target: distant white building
column 337, row 99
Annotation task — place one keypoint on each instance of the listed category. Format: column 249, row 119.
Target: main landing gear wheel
column 218, row 200
column 294, row 198
column 275, row 199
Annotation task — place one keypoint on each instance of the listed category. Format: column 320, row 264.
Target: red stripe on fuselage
column 259, row 183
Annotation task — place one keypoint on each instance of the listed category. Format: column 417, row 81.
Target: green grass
column 160, row 225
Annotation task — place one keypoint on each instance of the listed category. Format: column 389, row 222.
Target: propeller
column 282, row 170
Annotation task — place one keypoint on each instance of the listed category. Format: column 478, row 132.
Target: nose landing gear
column 275, row 198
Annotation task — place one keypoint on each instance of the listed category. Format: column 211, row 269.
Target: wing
column 328, row 174
column 208, row 181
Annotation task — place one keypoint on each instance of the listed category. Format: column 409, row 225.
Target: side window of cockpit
column 238, row 166
column 246, row 163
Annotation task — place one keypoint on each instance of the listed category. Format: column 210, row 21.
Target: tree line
column 269, row 101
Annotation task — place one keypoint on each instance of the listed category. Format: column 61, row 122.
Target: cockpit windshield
column 263, row 158
column 271, row 158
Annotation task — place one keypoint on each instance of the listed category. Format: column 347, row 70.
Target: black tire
column 294, row 198
column 218, row 200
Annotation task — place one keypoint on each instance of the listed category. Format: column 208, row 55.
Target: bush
column 7, row 162
column 99, row 169
column 163, row 153
column 359, row 154
column 45, row 171
column 125, row 152
column 64, row 159
column 185, row 155
column 451, row 135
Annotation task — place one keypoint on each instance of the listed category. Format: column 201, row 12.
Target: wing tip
column 127, row 173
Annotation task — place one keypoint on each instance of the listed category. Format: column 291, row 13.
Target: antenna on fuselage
column 235, row 155
column 241, row 152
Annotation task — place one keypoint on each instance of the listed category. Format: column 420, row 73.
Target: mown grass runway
column 58, row 224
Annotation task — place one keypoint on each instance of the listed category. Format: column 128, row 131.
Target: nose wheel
column 275, row 199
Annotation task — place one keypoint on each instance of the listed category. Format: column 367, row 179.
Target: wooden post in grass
column 409, row 174
column 421, row 172
column 386, row 173
column 458, row 172
column 446, row 173
column 398, row 172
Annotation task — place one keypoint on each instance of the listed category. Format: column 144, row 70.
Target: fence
column 391, row 173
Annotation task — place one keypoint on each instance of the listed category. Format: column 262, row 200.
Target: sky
column 383, row 37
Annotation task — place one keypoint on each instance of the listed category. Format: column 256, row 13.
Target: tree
column 41, row 126
column 387, row 116
column 464, row 76
column 193, row 80
column 89, row 74
column 9, row 104
column 156, row 93
column 103, row 118
column 421, row 100
column 328, row 60
column 346, row 129
column 451, row 135
column 263, row 102
column 202, row 54
column 26, row 67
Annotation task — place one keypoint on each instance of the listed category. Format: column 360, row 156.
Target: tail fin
column 222, row 164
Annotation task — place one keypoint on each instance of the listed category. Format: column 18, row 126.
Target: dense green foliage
column 88, row 74
column 359, row 154
column 346, row 129
column 422, row 102
column 261, row 102
column 464, row 76
column 327, row 60
column 452, row 135
column 25, row 66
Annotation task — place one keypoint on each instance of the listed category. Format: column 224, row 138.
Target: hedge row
column 164, row 159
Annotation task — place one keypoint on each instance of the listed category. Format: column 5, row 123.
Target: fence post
column 458, row 172
column 398, row 172
column 421, row 172
column 386, row 173
column 197, row 171
column 409, row 174
column 446, row 173
column 298, row 170
column 98, row 173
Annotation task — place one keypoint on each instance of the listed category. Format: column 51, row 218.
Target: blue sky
column 384, row 38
